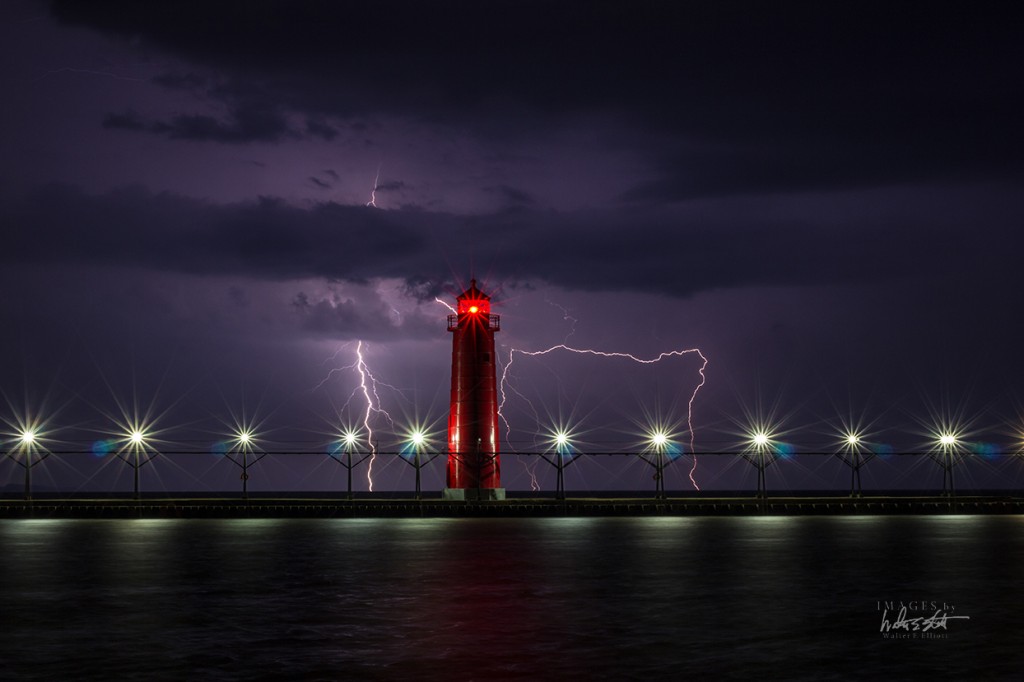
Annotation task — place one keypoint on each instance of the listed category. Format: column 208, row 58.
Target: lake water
column 522, row 599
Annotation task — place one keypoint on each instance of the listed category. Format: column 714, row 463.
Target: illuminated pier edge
column 474, row 465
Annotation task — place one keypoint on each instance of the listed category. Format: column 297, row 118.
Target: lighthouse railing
column 493, row 322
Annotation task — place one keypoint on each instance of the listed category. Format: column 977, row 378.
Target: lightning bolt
column 360, row 367
column 446, row 305
column 368, row 384
column 565, row 317
column 532, row 471
column 333, row 369
column 606, row 354
column 373, row 192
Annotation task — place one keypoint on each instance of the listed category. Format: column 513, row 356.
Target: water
column 521, row 599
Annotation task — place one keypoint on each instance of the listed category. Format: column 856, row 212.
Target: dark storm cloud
column 423, row 289
column 239, row 296
column 318, row 128
column 349, row 316
column 391, row 186
column 255, row 122
column 129, row 120
column 242, row 126
column 267, row 238
column 511, row 195
column 788, row 96
column 766, row 167
column 675, row 253
column 251, row 116
column 333, row 316
column 182, row 81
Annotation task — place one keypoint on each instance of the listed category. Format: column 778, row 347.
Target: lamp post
column 759, row 453
column 658, row 441
column 948, row 444
column 418, row 442
column 559, row 440
column 348, row 442
column 244, row 442
column 852, row 455
column 136, row 445
column 561, row 445
column 761, row 444
column 28, row 443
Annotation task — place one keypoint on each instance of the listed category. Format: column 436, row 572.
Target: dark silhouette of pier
column 275, row 506
column 557, row 502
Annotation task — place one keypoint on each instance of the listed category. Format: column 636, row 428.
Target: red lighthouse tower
column 474, row 470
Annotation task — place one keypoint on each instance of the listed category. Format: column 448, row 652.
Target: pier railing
column 200, row 465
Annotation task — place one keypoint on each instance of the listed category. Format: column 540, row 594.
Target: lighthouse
column 474, row 469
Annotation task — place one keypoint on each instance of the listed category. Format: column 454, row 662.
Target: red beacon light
column 474, row 306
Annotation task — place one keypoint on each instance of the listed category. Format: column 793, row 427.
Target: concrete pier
column 333, row 507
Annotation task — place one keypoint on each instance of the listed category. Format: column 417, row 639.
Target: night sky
column 824, row 198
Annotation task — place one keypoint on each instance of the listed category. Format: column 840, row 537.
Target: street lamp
column 348, row 441
column 760, row 441
column 244, row 440
column 948, row 443
column 136, row 442
column 563, row 445
column 852, row 454
column 658, row 440
column 418, row 440
column 28, row 444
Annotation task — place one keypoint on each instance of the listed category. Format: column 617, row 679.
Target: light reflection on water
column 504, row 599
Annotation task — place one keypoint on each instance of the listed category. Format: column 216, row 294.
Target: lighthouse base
column 472, row 494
